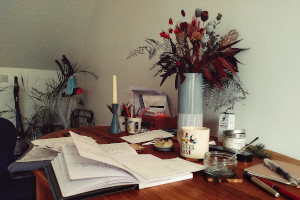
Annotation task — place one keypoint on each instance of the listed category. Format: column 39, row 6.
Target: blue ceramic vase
column 190, row 100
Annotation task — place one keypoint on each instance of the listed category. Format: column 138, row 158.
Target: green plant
column 45, row 118
column 258, row 151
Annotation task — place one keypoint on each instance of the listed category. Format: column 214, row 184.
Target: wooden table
column 196, row 188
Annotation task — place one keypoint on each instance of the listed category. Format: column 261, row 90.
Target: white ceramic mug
column 122, row 122
column 134, row 125
column 193, row 141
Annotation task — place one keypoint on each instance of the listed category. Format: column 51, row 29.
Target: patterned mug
column 194, row 141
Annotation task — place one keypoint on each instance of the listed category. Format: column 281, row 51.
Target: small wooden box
column 154, row 122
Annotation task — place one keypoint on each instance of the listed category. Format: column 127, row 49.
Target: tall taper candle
column 115, row 95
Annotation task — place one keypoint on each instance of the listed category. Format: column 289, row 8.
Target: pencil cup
column 134, row 125
column 122, row 122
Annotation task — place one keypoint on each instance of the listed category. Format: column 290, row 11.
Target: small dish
column 163, row 145
column 220, row 164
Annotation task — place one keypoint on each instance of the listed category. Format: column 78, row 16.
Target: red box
column 160, row 122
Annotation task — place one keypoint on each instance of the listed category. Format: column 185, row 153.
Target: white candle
column 115, row 98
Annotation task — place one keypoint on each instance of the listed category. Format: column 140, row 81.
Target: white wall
column 270, row 71
column 34, row 33
column 31, row 78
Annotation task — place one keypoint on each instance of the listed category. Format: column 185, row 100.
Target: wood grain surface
column 196, row 188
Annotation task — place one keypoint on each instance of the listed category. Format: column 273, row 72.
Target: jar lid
column 239, row 133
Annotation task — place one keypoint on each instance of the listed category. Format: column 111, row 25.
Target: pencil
column 131, row 111
column 136, row 114
column 143, row 112
column 127, row 111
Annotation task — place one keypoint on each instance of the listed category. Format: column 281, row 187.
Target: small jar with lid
column 234, row 139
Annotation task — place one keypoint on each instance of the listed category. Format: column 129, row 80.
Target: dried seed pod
column 231, row 36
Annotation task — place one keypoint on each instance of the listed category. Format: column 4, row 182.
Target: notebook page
column 69, row 187
column 79, row 167
column 118, row 149
column 164, row 168
column 38, row 154
column 54, row 144
column 88, row 148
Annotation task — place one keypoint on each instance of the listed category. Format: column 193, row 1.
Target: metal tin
column 234, row 139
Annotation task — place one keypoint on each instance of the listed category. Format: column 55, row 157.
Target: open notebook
column 87, row 169
column 263, row 171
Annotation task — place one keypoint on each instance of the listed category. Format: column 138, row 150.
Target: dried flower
column 194, row 22
column 162, row 34
column 209, row 28
column 204, row 38
column 229, row 38
column 195, row 49
column 176, row 31
column 196, row 36
column 219, row 17
column 198, row 12
column 204, row 16
column 183, row 25
column 182, row 13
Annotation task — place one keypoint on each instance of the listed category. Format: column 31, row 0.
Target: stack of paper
column 87, row 166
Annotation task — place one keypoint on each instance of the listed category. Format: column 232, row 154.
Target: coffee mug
column 193, row 141
column 134, row 124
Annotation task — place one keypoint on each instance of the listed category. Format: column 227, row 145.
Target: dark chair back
column 12, row 186
column 8, row 138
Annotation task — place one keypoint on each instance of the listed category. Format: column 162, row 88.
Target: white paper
column 38, row 154
column 80, row 167
column 70, row 187
column 54, row 144
column 77, row 167
column 164, row 168
column 147, row 136
column 118, row 149
column 89, row 148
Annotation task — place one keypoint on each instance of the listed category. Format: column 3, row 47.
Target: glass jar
column 234, row 139
column 220, row 164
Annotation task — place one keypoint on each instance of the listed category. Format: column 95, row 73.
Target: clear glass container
column 220, row 164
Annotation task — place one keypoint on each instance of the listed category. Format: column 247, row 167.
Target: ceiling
column 34, row 33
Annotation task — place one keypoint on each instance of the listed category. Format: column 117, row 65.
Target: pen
column 280, row 190
column 275, row 167
column 261, row 184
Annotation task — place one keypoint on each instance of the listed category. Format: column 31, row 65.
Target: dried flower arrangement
column 195, row 48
